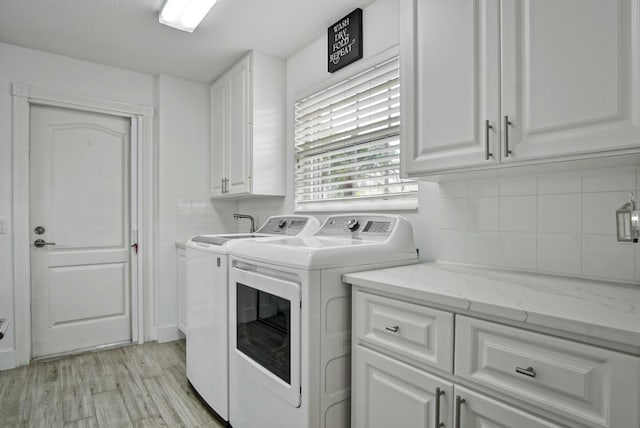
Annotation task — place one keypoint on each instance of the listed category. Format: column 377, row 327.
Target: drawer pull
column 439, row 392
column 393, row 329
column 529, row 371
column 459, row 402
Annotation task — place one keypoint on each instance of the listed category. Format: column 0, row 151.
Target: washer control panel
column 284, row 225
column 362, row 226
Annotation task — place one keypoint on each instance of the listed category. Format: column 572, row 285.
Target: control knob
column 353, row 224
column 282, row 224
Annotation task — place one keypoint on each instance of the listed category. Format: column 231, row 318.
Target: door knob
column 41, row 243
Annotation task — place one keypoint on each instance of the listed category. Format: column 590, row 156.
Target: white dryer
column 290, row 319
column 207, row 299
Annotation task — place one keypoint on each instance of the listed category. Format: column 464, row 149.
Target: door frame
column 141, row 117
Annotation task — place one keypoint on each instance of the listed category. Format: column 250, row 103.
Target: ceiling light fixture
column 185, row 15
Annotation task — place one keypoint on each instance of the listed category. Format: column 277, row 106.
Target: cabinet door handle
column 487, row 153
column 507, row 124
column 459, row 402
column 393, row 329
column 222, row 185
column 439, row 392
column 529, row 371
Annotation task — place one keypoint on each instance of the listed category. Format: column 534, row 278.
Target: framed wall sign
column 345, row 41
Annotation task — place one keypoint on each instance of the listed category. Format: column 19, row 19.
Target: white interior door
column 80, row 197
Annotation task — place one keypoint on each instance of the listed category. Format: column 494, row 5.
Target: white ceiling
column 126, row 33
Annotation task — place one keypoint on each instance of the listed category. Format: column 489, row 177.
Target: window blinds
column 347, row 140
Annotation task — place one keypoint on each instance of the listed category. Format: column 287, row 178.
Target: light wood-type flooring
column 134, row 386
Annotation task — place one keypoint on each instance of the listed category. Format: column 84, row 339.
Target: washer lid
column 275, row 226
column 378, row 239
column 222, row 239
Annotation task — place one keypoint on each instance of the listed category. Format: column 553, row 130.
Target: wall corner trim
column 147, row 111
column 20, row 90
column 168, row 333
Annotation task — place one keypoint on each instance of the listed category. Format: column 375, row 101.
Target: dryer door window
column 263, row 331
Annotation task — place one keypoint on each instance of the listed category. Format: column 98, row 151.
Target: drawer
column 421, row 334
column 591, row 385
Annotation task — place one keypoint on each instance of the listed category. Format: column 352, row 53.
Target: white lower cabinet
column 390, row 393
column 182, row 292
column 557, row 382
column 473, row 410
column 592, row 385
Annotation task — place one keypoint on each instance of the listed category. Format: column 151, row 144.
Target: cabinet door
column 182, row 290
column 571, row 76
column 388, row 393
column 450, row 76
column 218, row 133
column 478, row 411
column 239, row 162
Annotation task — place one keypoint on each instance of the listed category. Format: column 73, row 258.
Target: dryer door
column 266, row 317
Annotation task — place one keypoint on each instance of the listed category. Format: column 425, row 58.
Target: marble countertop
column 180, row 244
column 601, row 310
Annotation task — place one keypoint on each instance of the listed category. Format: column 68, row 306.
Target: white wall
column 181, row 152
column 553, row 223
column 63, row 75
column 308, row 68
column 183, row 201
column 561, row 223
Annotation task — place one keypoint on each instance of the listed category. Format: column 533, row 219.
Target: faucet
column 250, row 217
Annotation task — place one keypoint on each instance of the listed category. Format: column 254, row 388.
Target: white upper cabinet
column 218, row 125
column 570, row 76
column 450, row 68
column 247, row 129
column 239, row 149
column 486, row 83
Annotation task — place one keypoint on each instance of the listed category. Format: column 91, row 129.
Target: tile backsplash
column 199, row 216
column 562, row 223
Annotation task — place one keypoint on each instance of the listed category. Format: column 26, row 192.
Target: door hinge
column 218, row 261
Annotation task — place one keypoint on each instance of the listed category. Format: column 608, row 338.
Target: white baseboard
column 7, row 359
column 167, row 333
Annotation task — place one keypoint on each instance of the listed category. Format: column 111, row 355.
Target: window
column 347, row 142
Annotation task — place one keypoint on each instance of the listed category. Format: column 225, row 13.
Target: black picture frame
column 344, row 41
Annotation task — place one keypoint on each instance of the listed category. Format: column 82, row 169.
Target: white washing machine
column 290, row 319
column 207, row 299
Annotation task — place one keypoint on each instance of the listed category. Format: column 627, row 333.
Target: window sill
column 393, row 204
